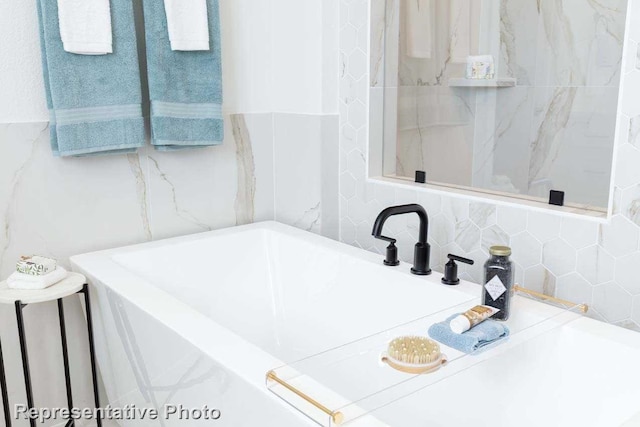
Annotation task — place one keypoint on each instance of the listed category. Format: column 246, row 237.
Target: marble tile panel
column 580, row 44
column 572, row 143
column 298, row 182
column 518, row 40
column 507, row 139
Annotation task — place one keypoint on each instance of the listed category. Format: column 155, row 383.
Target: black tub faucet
column 422, row 249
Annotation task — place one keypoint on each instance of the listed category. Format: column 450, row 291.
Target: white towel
column 419, row 29
column 188, row 24
column 28, row 282
column 85, row 26
column 460, row 24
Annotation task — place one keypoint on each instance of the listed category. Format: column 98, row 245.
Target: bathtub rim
column 254, row 362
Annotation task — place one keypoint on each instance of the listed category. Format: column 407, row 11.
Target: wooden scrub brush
column 414, row 355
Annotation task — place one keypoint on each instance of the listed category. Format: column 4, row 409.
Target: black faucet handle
column 460, row 259
column 451, row 269
column 386, row 239
column 392, row 251
column 392, row 255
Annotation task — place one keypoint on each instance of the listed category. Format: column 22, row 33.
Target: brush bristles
column 414, row 350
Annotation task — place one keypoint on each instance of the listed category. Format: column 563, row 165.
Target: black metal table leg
column 5, row 391
column 65, row 357
column 92, row 350
column 25, row 358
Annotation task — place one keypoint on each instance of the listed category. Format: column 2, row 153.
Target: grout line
column 274, row 165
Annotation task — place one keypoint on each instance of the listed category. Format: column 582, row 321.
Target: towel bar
column 336, row 416
column 583, row 307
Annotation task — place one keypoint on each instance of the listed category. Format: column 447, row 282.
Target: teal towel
column 185, row 87
column 478, row 338
column 95, row 102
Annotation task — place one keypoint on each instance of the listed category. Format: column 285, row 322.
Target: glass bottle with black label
column 498, row 281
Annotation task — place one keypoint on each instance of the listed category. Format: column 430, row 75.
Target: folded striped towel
column 95, row 102
column 481, row 337
column 185, row 87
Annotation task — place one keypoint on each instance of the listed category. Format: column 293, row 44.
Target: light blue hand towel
column 478, row 338
column 95, row 101
column 185, row 87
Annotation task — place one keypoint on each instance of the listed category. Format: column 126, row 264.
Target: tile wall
column 573, row 258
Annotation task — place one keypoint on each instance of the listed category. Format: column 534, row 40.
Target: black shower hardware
column 422, row 249
column 451, row 269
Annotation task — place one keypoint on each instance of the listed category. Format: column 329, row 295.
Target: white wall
column 279, row 55
column 277, row 58
column 247, row 27
column 21, row 89
column 284, row 71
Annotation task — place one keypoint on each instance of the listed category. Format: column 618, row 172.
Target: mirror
column 533, row 110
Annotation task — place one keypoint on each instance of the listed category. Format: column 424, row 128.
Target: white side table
column 74, row 284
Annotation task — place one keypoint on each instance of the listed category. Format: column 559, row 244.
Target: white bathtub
column 200, row 320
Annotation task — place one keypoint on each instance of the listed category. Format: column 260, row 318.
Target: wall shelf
column 501, row 82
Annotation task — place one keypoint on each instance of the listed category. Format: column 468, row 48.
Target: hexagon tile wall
column 576, row 259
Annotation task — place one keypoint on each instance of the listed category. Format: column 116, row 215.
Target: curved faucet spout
column 400, row 210
column 422, row 249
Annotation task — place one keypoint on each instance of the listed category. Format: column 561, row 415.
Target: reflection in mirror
column 540, row 114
